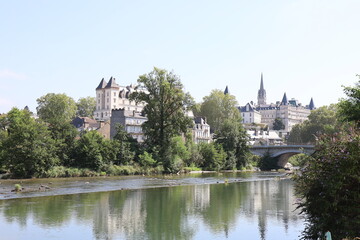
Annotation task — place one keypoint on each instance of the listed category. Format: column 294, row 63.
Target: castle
column 110, row 95
column 290, row 112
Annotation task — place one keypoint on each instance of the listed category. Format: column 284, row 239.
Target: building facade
column 249, row 114
column 110, row 95
column 201, row 131
column 131, row 120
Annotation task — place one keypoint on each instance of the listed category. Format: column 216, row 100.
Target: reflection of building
column 130, row 120
column 113, row 96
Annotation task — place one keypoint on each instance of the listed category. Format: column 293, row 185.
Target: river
column 257, row 205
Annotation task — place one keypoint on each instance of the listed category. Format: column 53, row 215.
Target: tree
column 94, row 152
column 86, row 107
column 233, row 138
column 278, row 124
column 126, row 145
column 214, row 156
column 349, row 109
column 217, row 107
column 166, row 107
column 329, row 186
column 320, row 121
column 28, row 149
column 56, row 108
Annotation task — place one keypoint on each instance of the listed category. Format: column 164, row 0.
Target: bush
column 329, row 186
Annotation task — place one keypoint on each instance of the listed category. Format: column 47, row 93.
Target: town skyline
column 304, row 48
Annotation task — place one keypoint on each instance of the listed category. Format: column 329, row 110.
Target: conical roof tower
column 261, row 93
column 311, row 105
column 102, row 84
column 284, row 100
column 226, row 90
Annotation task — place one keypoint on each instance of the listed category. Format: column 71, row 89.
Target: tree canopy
column 86, row 107
column 278, row 124
column 166, row 108
column 320, row 121
column 56, row 108
column 217, row 107
column 349, row 108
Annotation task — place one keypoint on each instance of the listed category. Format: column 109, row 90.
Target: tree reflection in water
column 251, row 210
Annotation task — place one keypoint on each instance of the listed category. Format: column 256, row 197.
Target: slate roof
column 311, row 105
column 284, row 100
column 102, row 84
column 112, row 83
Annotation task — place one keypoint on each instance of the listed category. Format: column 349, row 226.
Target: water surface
column 251, row 206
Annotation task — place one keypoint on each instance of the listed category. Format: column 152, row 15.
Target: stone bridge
column 282, row 152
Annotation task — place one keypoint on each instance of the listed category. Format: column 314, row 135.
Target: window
column 107, row 94
column 107, row 100
column 114, row 94
column 114, row 100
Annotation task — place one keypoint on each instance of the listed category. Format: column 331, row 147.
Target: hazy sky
column 306, row 48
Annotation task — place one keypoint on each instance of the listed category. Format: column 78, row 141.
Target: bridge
column 282, row 152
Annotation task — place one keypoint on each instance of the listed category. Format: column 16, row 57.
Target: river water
column 204, row 206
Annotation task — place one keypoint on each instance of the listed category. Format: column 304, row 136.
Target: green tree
column 56, row 108
column 94, row 152
column 126, row 145
column 278, row 124
column 233, row 138
column 320, row 121
column 349, row 109
column 86, row 107
column 166, row 107
column 28, row 149
column 214, row 156
column 329, row 185
column 217, row 107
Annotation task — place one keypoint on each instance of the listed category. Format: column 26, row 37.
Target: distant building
column 88, row 124
column 110, row 95
column 291, row 112
column 249, row 114
column 131, row 121
column 201, row 131
column 259, row 137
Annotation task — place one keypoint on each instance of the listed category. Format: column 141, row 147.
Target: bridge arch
column 282, row 152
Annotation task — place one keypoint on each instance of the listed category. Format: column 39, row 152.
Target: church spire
column 261, row 93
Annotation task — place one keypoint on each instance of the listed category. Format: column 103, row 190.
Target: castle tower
column 226, row 90
column 284, row 100
column 261, row 93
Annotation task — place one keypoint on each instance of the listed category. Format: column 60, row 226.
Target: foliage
column 349, row 109
column 126, row 146
column 28, row 149
column 177, row 153
column 320, row 121
column 213, row 154
column 329, row 185
column 17, row 187
column 56, row 108
column 93, row 151
column 278, row 124
column 299, row 160
column 86, row 107
column 146, row 160
column 166, row 107
column 233, row 138
column 218, row 107
column 267, row 163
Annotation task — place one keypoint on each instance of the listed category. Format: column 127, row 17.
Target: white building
column 113, row 96
column 249, row 114
column 201, row 131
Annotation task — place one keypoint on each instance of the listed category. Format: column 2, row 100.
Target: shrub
column 329, row 186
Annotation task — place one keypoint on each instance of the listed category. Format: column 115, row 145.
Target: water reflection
column 243, row 210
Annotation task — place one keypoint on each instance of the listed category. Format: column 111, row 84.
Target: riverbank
column 64, row 186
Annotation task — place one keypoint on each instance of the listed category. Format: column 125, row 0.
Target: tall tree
column 349, row 109
column 320, row 121
column 86, row 107
column 217, row 107
column 56, row 108
column 278, row 124
column 28, row 149
column 166, row 107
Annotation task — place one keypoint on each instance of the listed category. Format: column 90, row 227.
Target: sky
column 306, row 48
